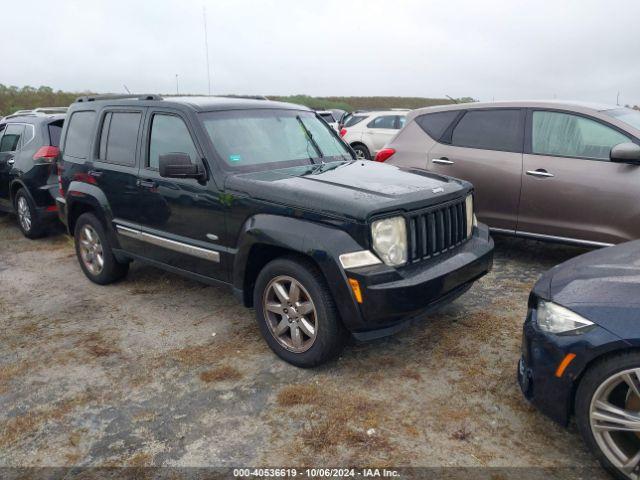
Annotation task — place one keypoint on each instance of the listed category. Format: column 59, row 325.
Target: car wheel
column 607, row 410
column 296, row 313
column 362, row 152
column 94, row 252
column 28, row 221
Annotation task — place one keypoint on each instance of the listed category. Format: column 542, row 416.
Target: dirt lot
column 159, row 370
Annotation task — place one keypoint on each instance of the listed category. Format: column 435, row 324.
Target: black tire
column 589, row 383
column 331, row 335
column 112, row 270
column 34, row 228
column 360, row 148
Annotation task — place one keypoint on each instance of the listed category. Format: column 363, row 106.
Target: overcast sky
column 487, row 49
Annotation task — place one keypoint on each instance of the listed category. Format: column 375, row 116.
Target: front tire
column 94, row 252
column 607, row 410
column 28, row 222
column 296, row 313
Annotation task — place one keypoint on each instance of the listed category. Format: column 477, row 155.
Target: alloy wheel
column 614, row 415
column 91, row 250
column 24, row 213
column 290, row 313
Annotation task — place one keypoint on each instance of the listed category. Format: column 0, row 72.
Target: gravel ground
column 160, row 370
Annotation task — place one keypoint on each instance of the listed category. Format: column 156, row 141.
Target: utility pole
column 618, row 99
column 206, row 47
column 177, row 89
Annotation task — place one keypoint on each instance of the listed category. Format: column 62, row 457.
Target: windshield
column 626, row 115
column 263, row 139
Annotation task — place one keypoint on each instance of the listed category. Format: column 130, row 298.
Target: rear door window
column 169, row 134
column 565, row 135
column 435, row 124
column 79, row 133
column 119, row 137
column 385, row 121
column 10, row 141
column 500, row 130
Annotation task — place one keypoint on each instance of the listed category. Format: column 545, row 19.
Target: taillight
column 47, row 153
column 343, row 132
column 384, row 154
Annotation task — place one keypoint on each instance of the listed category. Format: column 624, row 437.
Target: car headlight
column 390, row 240
column 471, row 218
column 553, row 318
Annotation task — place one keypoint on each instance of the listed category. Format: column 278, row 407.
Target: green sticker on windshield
column 235, row 158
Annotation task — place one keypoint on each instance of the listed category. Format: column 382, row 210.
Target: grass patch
column 220, row 374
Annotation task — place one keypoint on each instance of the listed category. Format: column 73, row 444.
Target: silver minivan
column 563, row 171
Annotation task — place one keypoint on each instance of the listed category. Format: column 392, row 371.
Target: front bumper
column 543, row 352
column 392, row 298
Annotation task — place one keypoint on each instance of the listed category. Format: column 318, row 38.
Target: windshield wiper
column 311, row 140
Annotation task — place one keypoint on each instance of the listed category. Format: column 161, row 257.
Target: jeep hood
column 603, row 286
column 354, row 190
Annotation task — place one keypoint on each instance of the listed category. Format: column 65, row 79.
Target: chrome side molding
column 552, row 238
column 180, row 247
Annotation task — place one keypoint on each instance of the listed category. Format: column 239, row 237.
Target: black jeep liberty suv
column 266, row 198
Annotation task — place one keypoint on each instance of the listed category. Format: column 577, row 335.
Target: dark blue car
column 581, row 352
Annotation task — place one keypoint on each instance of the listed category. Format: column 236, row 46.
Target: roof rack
column 247, row 97
column 95, row 98
column 38, row 112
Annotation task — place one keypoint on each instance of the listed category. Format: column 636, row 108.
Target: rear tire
column 604, row 380
column 94, row 252
column 286, row 325
column 28, row 222
column 362, row 152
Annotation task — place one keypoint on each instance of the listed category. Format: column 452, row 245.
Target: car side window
column 500, row 130
column 566, row 135
column 385, row 121
column 400, row 121
column 353, row 120
column 435, row 124
column 79, row 133
column 119, row 137
column 169, row 134
column 11, row 139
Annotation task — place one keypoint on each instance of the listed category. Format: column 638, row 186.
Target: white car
column 329, row 117
column 368, row 132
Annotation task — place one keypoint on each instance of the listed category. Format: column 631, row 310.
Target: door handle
column 443, row 161
column 95, row 173
column 147, row 183
column 541, row 172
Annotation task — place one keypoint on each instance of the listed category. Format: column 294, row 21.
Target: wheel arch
column 16, row 185
column 602, row 357
column 265, row 237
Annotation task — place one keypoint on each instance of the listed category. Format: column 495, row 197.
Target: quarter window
column 11, row 138
column 79, row 134
column 435, row 124
column 490, row 130
column 119, row 137
column 169, row 134
column 565, row 135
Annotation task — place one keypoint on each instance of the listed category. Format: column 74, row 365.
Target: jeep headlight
column 553, row 318
column 471, row 218
column 390, row 240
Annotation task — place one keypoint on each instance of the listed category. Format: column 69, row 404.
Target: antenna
column 125, row 87
column 618, row 99
column 206, row 46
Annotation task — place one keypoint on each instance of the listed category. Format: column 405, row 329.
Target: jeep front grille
column 437, row 229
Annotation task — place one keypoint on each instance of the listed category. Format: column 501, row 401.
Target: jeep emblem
column 438, row 190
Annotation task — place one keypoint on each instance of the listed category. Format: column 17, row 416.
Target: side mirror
column 626, row 153
column 178, row 165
